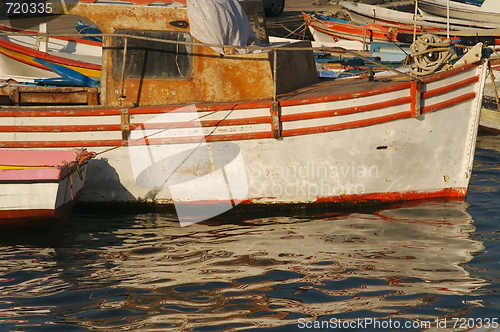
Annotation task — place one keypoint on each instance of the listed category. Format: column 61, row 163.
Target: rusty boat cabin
column 162, row 64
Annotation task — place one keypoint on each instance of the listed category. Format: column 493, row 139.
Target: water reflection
column 146, row 272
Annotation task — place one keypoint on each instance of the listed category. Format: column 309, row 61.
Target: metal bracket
column 275, row 119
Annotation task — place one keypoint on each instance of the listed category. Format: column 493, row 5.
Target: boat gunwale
column 20, row 49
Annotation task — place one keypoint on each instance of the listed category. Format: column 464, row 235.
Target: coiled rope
column 430, row 54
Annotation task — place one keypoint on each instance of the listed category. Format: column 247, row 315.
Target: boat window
column 153, row 59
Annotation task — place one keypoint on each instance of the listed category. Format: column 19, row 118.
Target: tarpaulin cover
column 219, row 22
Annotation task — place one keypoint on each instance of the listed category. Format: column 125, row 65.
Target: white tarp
column 219, row 22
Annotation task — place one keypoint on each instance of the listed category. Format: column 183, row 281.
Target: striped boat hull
column 397, row 142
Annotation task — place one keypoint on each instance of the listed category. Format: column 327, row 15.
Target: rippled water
column 428, row 265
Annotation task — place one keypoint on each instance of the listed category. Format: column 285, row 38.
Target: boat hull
column 371, row 146
column 40, row 203
column 41, row 194
column 461, row 11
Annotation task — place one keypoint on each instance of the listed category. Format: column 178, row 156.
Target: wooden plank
column 49, row 95
column 53, row 97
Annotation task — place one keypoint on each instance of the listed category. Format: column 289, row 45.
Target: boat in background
column 365, row 13
column 19, row 48
column 40, row 187
column 328, row 28
column 479, row 13
column 396, row 39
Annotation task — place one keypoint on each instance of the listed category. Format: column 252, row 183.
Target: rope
column 430, row 54
column 81, row 159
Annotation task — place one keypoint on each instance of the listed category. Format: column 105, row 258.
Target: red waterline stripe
column 36, row 217
column 347, row 125
column 354, row 199
column 396, row 196
column 345, row 111
column 449, row 103
column 12, row 217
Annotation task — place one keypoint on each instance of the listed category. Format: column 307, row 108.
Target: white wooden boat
column 365, row 13
column 39, row 187
column 485, row 12
column 210, row 132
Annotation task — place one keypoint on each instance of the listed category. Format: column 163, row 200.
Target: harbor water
column 415, row 266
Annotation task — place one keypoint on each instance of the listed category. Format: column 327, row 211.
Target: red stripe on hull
column 347, row 125
column 346, row 96
column 449, row 103
column 442, row 75
column 144, row 126
column 209, row 138
column 207, row 123
column 450, row 87
column 345, row 111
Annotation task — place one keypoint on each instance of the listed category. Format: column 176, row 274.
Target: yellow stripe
column 24, row 167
